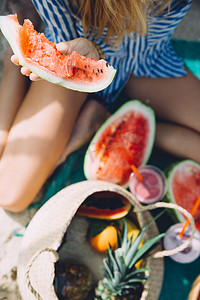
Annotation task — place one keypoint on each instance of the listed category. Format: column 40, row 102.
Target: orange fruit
column 101, row 241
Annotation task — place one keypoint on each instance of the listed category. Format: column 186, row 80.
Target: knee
column 10, row 202
column 12, row 207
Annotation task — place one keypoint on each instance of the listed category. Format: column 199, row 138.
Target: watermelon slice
column 125, row 138
column 72, row 71
column 105, row 205
column 184, row 188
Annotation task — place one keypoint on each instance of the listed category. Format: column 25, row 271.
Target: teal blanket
column 190, row 52
column 178, row 278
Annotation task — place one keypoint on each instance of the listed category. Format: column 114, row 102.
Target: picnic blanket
column 190, row 52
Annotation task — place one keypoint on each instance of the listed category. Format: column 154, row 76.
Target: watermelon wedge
column 105, row 205
column 183, row 181
column 72, row 71
column 125, row 138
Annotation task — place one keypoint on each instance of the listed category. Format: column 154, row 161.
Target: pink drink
column 173, row 240
column 153, row 186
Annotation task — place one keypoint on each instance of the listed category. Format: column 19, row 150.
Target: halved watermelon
column 105, row 205
column 125, row 138
column 34, row 51
column 184, row 188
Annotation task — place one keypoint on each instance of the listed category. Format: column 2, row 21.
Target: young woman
column 134, row 36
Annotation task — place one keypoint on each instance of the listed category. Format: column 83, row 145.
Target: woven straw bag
column 43, row 237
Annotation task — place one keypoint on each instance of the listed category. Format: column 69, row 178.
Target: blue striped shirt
column 151, row 55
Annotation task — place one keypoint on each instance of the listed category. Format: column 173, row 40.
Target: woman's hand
column 81, row 45
column 24, row 70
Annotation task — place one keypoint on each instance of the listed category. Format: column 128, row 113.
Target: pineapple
column 122, row 280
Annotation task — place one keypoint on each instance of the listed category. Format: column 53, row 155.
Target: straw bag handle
column 139, row 208
column 53, row 256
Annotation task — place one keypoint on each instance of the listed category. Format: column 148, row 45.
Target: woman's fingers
column 25, row 71
column 81, row 45
column 15, row 60
column 63, row 47
column 34, row 77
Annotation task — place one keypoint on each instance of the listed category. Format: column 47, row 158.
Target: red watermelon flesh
column 73, row 65
column 117, row 146
column 184, row 184
column 125, row 138
column 41, row 56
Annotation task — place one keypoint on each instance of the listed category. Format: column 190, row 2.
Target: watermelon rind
column 169, row 172
column 9, row 27
column 105, row 214
column 134, row 105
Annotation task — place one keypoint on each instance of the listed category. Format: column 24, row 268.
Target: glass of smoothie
column 173, row 240
column 153, row 186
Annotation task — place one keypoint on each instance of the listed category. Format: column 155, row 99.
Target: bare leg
column 13, row 85
column 12, row 91
column 176, row 100
column 179, row 140
column 36, row 141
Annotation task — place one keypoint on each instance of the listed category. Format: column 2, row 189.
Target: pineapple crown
column 121, row 275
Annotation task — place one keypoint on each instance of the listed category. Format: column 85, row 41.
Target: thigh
column 36, row 140
column 47, row 114
column 173, row 99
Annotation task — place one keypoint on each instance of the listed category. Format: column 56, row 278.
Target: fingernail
column 62, row 48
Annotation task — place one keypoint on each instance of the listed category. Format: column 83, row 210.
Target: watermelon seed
column 106, row 64
column 101, row 70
